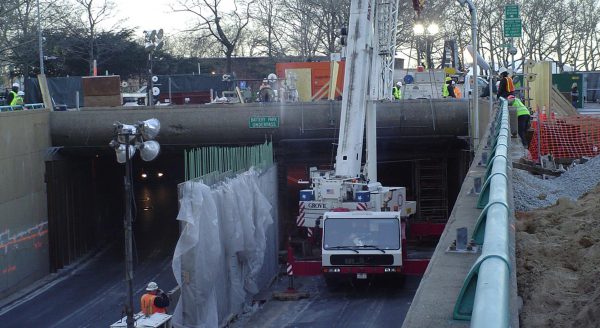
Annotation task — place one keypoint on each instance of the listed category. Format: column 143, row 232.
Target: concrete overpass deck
column 229, row 123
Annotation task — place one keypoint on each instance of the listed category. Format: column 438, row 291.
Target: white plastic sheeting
column 218, row 261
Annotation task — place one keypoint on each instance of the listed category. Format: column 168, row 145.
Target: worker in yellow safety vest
column 155, row 300
column 12, row 94
column 18, row 100
column 447, row 88
column 523, row 117
column 397, row 91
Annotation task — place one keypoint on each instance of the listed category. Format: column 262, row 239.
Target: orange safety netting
column 566, row 137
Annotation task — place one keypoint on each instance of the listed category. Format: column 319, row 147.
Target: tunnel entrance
column 86, row 201
column 86, row 205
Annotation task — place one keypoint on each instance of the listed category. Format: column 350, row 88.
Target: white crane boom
column 368, row 77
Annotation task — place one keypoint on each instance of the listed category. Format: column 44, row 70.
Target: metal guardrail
column 484, row 297
column 21, row 107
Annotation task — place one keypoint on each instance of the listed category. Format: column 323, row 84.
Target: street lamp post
column 427, row 32
column 40, row 39
column 128, row 138
column 475, row 91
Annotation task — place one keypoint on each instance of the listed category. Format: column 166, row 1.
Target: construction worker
column 265, row 92
column 12, row 94
column 457, row 92
column 523, row 117
column 506, row 86
column 448, row 89
column 574, row 94
column 155, row 300
column 18, row 100
column 397, row 91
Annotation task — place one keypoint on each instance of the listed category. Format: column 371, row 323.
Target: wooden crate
column 102, row 101
column 101, row 85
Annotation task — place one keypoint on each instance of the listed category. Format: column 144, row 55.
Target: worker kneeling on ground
column 523, row 117
column 155, row 300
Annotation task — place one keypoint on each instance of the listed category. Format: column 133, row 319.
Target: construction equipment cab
column 360, row 244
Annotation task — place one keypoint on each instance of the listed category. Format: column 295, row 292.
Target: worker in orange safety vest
column 155, row 300
column 506, row 87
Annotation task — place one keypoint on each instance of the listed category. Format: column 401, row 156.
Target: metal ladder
column 432, row 190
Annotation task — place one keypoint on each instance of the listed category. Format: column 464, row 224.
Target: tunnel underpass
column 431, row 168
column 424, row 151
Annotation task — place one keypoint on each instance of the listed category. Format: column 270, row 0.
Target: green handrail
column 484, row 297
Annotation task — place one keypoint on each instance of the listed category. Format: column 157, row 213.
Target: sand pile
column 558, row 263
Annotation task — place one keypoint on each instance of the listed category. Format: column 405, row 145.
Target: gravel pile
column 531, row 192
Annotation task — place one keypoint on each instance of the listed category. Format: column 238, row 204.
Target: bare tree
column 266, row 16
column 300, row 30
column 195, row 46
column 332, row 16
column 225, row 27
column 94, row 13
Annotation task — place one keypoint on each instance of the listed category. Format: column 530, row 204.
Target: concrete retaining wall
column 24, row 139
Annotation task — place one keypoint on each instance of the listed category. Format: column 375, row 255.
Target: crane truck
column 361, row 223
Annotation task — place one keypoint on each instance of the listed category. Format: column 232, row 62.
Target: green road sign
column 511, row 12
column 263, row 122
column 512, row 28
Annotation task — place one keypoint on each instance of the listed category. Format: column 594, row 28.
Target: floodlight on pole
column 433, row 29
column 419, row 29
column 150, row 128
column 153, row 42
column 149, row 150
column 127, row 139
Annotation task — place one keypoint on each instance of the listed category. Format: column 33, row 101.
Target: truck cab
column 357, row 245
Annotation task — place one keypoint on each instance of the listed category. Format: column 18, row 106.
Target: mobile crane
column 363, row 223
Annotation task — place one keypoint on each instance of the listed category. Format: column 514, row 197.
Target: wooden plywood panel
column 540, row 89
column 45, row 92
column 333, row 81
column 561, row 105
column 303, row 82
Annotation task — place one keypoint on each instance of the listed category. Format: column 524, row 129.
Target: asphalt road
column 363, row 306
column 93, row 294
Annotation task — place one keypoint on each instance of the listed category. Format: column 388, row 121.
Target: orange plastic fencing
column 566, row 137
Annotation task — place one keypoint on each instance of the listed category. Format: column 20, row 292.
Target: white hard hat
column 399, row 84
column 502, row 70
column 152, row 286
column 21, row 93
column 16, row 85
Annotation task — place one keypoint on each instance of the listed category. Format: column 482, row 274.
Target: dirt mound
column 558, row 261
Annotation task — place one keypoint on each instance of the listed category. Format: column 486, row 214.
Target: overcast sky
column 155, row 14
